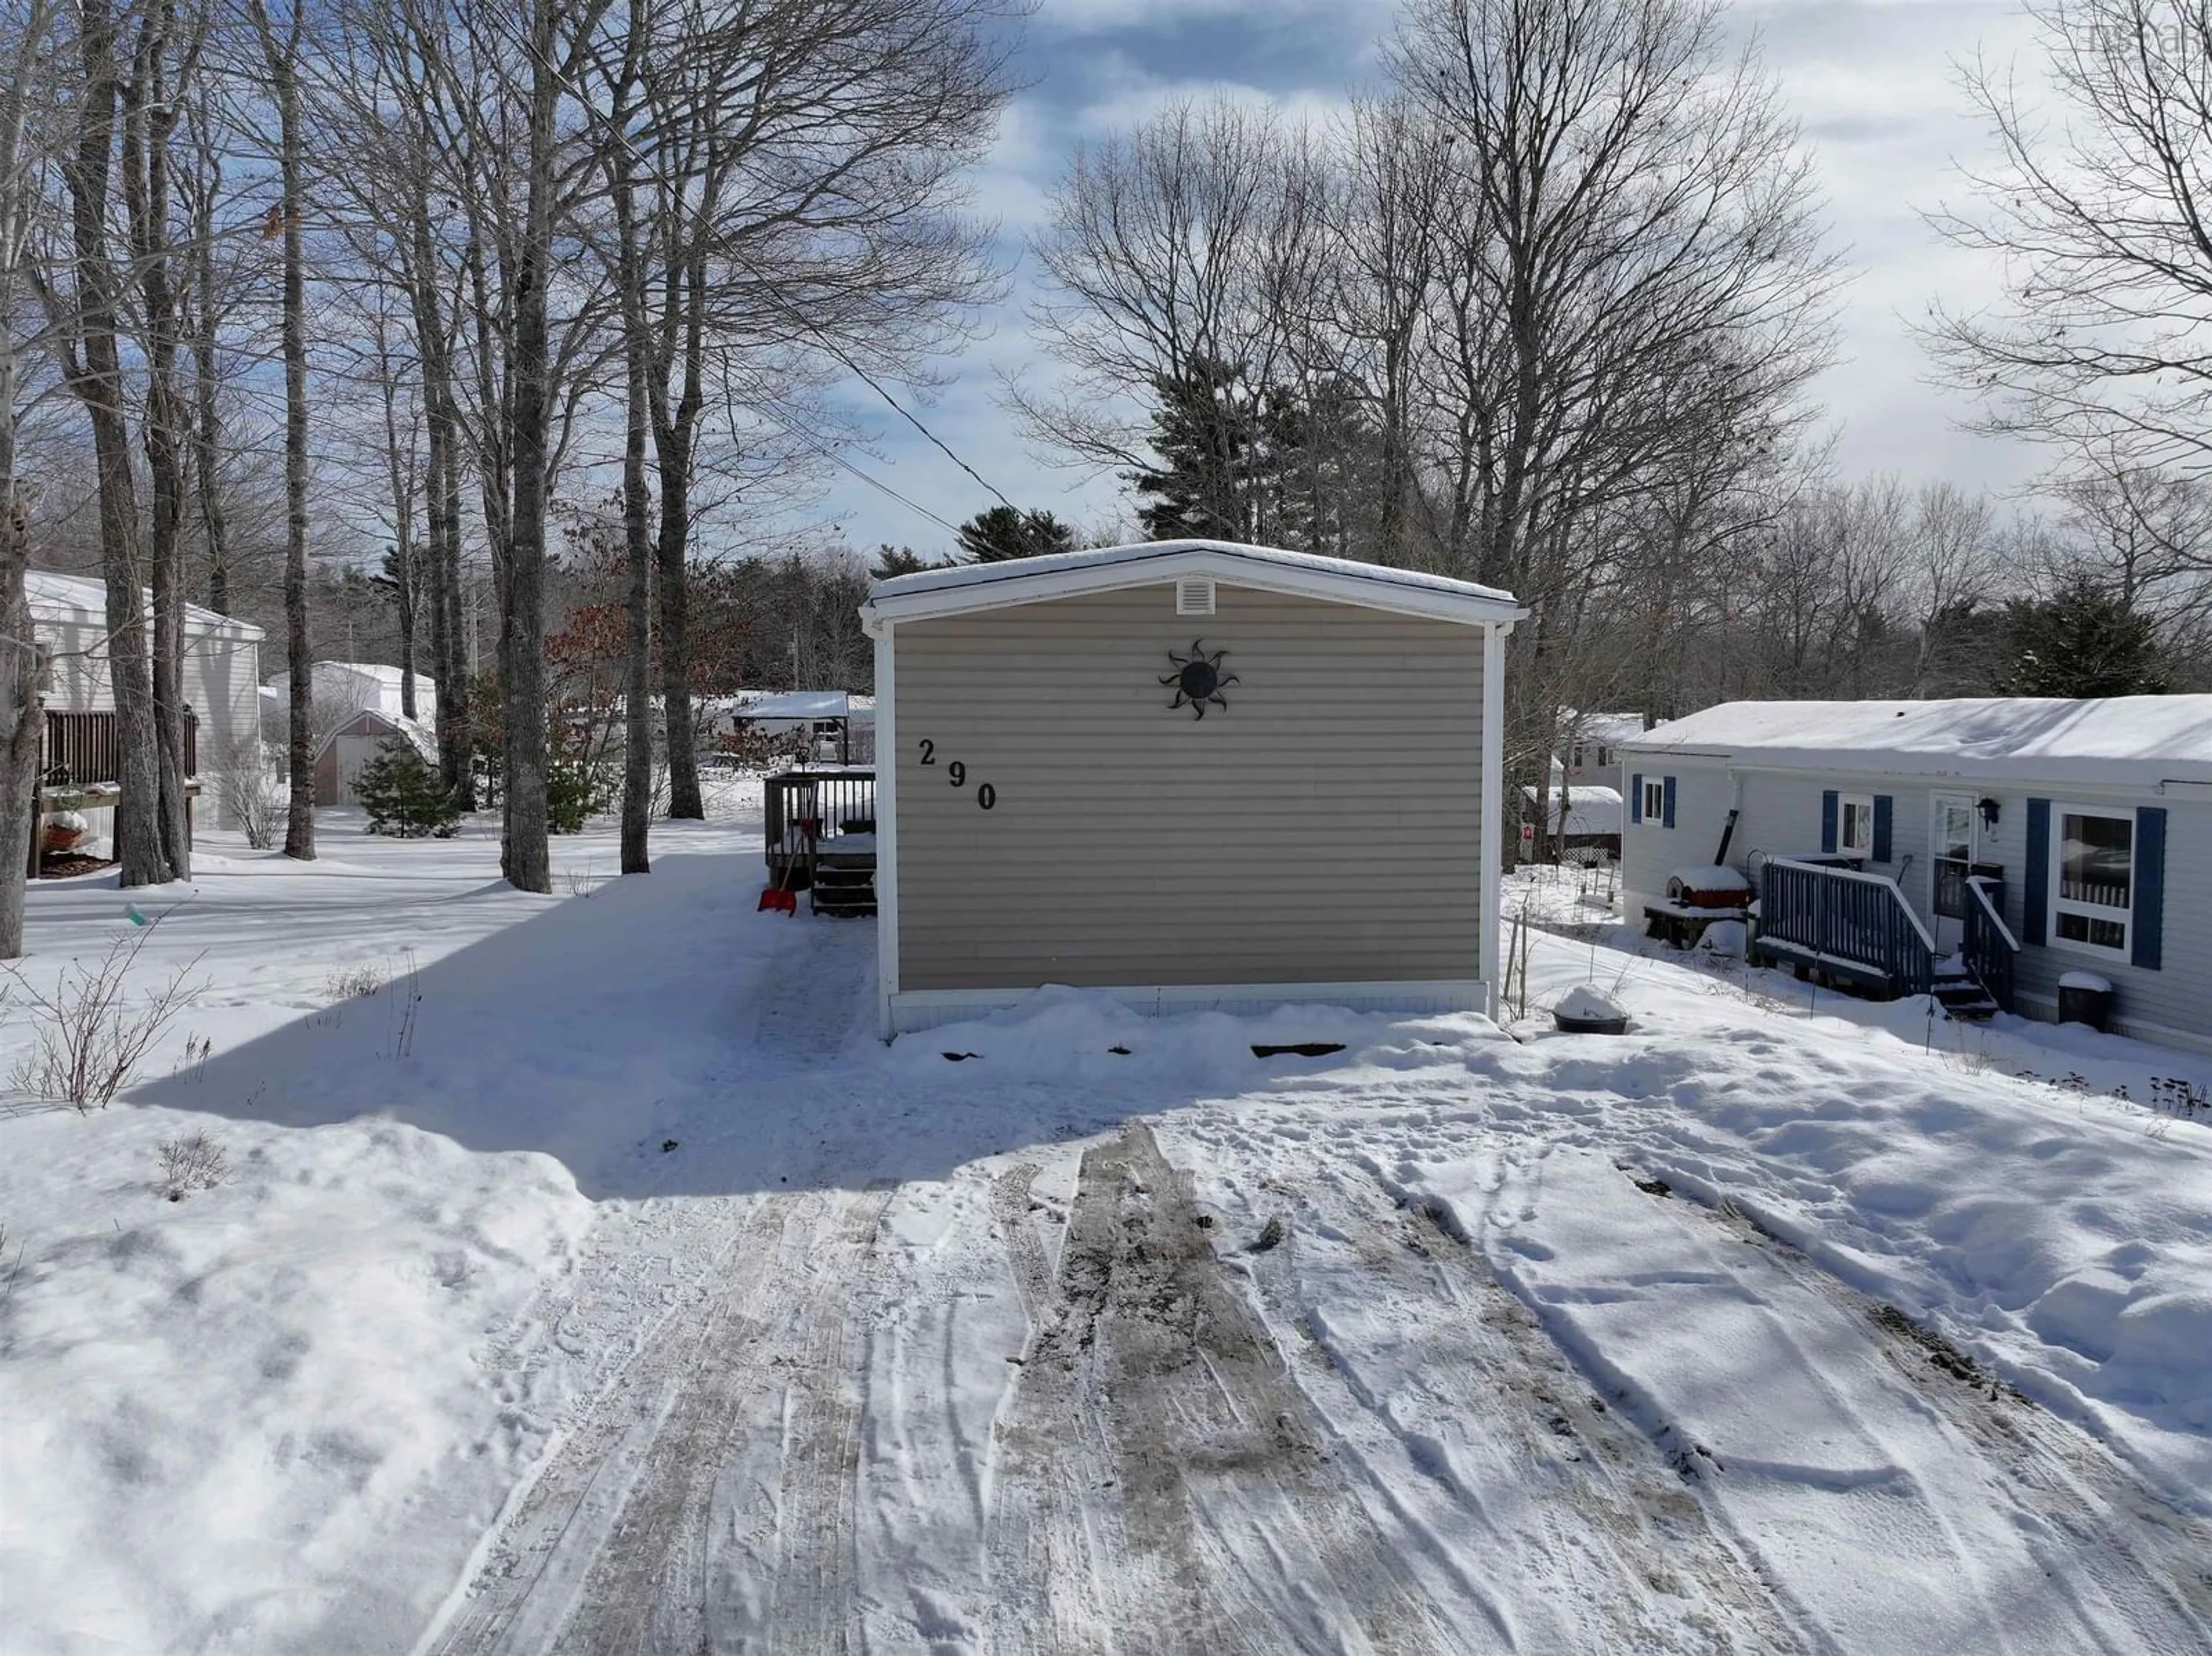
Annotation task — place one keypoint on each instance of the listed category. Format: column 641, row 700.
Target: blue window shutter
column 1828, row 822
column 1636, row 798
column 1882, row 818
column 2146, row 936
column 2035, row 889
column 1670, row 802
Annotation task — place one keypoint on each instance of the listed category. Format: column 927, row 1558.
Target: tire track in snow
column 560, row 1518
column 2080, row 1508
column 1519, row 1493
column 1155, row 1443
column 614, row 1546
column 1783, row 1399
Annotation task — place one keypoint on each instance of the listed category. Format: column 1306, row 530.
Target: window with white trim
column 1854, row 824
column 1655, row 800
column 2092, row 867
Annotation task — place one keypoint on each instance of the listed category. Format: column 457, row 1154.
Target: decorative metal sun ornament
column 1198, row 680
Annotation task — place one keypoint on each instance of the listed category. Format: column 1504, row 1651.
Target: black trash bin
column 2084, row 997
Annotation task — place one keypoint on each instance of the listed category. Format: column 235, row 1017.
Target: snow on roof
column 1609, row 728
column 1103, row 568
column 377, row 670
column 2125, row 740
column 804, row 704
column 56, row 597
column 420, row 735
column 1589, row 810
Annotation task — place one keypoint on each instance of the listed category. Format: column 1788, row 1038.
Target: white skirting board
column 916, row 1009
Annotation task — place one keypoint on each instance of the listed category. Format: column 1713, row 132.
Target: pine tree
column 404, row 796
column 1004, row 533
column 2080, row 641
column 895, row 561
column 1206, row 431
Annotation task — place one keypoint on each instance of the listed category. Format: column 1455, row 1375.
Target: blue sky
column 1870, row 79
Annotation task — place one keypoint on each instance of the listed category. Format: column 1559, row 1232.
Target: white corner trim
column 887, row 911
column 1494, row 806
column 1026, row 582
column 916, row 1009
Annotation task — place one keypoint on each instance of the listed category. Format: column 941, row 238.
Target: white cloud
column 1872, row 81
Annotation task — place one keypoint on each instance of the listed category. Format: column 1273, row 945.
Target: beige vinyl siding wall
column 1325, row 827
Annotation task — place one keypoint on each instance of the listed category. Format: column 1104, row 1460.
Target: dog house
column 1190, row 773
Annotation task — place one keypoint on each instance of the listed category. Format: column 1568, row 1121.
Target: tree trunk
column 283, row 71
column 22, row 723
column 149, row 120
column 675, row 439
column 207, row 425
column 95, row 376
column 442, row 509
column 524, row 855
column 637, row 682
column 637, row 530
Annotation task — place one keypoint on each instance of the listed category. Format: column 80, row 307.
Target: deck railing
column 1990, row 944
column 1842, row 918
column 84, row 744
column 809, row 810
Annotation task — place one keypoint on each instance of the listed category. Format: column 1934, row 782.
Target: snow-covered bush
column 189, row 1164
column 248, row 794
column 91, row 1034
column 404, row 797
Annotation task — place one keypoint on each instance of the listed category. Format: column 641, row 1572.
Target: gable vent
column 1194, row 595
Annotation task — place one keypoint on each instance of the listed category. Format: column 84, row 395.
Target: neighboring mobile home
column 222, row 674
column 1190, row 773
column 2027, row 840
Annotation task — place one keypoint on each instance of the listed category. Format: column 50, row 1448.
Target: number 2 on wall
column 928, row 751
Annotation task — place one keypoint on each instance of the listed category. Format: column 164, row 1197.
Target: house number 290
column 956, row 773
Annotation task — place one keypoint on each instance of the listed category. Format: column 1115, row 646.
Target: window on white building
column 1855, row 825
column 1654, row 800
column 2093, row 879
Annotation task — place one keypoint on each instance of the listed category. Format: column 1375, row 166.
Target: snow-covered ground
column 597, row 1282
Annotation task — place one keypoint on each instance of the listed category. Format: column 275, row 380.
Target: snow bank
column 2065, row 1240
column 1059, row 1033
column 252, row 1411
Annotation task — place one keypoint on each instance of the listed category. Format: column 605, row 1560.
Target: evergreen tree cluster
column 1269, row 464
column 404, row 796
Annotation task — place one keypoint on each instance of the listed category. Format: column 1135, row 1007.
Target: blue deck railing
column 1990, row 944
column 1859, row 925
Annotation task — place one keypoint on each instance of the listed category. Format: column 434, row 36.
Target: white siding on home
column 1782, row 818
column 1323, row 828
column 223, row 677
column 1651, row 850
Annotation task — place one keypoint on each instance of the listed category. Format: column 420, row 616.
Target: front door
column 1950, row 841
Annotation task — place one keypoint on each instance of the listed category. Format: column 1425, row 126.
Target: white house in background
column 1593, row 758
column 370, row 686
column 222, row 669
column 843, row 725
column 1593, row 818
column 2034, row 844
column 1189, row 775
